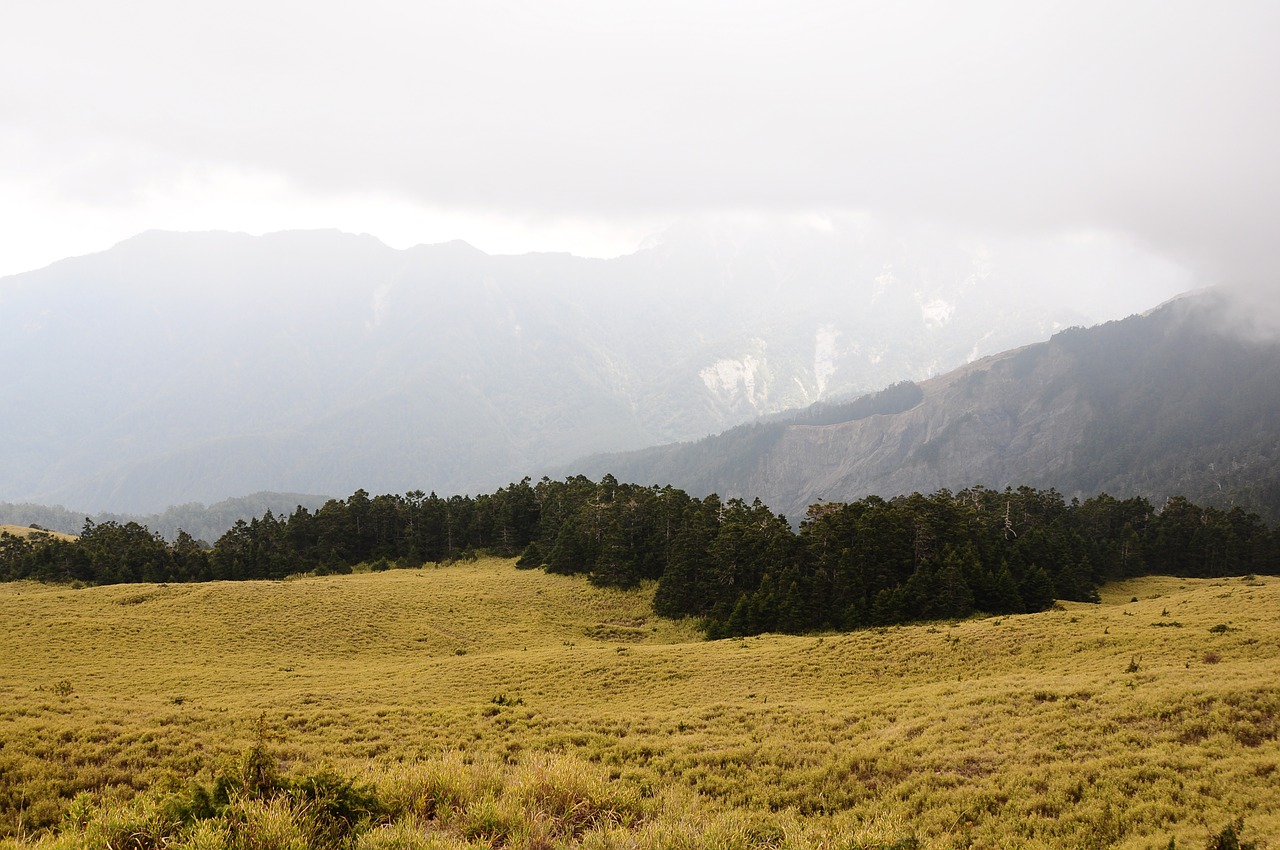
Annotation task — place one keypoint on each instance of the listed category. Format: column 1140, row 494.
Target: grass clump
column 249, row 805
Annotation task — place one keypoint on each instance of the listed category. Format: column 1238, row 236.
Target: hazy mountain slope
column 204, row 522
column 1157, row 405
column 192, row 367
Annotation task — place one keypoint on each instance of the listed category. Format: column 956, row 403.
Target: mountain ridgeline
column 191, row 367
column 739, row 567
column 1171, row 403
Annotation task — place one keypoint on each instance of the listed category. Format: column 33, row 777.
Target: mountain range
column 193, row 367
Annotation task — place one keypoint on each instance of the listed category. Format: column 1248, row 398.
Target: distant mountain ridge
column 1168, row 403
column 189, row 367
column 203, row 522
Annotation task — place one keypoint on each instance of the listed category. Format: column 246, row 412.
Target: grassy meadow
column 26, row 531
column 482, row 706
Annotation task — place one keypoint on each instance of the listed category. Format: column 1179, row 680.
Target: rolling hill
column 27, row 531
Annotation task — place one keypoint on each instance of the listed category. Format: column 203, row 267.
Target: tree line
column 737, row 566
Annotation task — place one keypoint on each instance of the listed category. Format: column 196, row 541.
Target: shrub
column 335, row 806
column 1229, row 838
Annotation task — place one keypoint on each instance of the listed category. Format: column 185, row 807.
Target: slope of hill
column 492, row 706
column 27, row 531
column 193, row 367
column 1168, row 403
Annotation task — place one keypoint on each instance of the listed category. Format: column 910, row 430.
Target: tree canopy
column 736, row 565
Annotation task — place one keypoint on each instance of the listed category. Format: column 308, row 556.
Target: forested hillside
column 738, row 566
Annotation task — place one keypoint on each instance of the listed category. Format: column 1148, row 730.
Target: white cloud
column 573, row 124
column 42, row 228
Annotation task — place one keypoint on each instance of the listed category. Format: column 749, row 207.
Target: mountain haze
column 203, row 522
column 182, row 367
column 1168, row 403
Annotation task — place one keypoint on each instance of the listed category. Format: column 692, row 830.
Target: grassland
column 1152, row 716
column 25, row 531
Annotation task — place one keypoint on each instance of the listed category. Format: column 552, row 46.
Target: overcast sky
column 584, row 126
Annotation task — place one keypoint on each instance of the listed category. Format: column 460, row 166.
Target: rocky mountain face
column 176, row 368
column 1169, row 403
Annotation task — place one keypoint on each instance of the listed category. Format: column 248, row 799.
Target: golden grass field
column 1124, row 724
column 25, row 531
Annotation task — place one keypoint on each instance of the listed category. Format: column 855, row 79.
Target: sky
column 587, row 126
